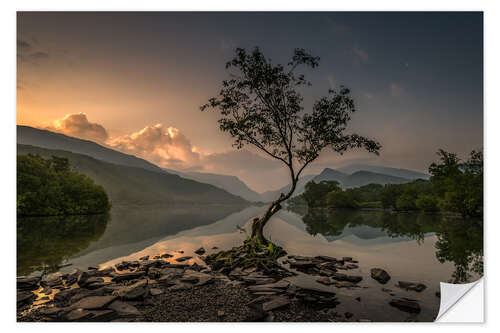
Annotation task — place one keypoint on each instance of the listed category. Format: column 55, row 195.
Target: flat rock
column 326, row 258
column 156, row 291
column 405, row 305
column 276, row 303
column 78, row 315
column 380, row 275
column 415, row 286
column 93, row 302
column 264, row 289
column 25, row 297
column 325, row 280
column 180, row 286
column 135, row 291
column 128, row 276
column 51, row 280
column 345, row 277
column 124, row 309
column 345, row 284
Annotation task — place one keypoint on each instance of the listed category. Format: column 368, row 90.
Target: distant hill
column 138, row 186
column 232, row 184
column 356, row 179
column 46, row 139
column 269, row 196
column 359, row 178
column 403, row 173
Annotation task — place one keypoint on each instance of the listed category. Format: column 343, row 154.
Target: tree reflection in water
column 459, row 240
column 44, row 243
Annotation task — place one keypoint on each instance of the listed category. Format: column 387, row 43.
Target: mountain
column 403, row 173
column 232, row 184
column 41, row 138
column 357, row 179
column 138, row 186
column 269, row 196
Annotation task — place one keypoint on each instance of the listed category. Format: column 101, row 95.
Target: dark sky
column 417, row 79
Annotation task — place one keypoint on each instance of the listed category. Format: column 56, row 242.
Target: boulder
column 405, row 305
column 415, row 286
column 166, row 255
column 200, row 251
column 380, row 275
column 144, row 258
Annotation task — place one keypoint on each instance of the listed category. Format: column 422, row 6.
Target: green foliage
column 342, row 199
column 459, row 184
column 427, row 203
column 405, row 202
column 50, row 187
column 454, row 186
column 315, row 193
column 261, row 104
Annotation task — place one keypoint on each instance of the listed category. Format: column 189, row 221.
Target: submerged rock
column 405, row 305
column 415, row 286
column 200, row 251
column 380, row 275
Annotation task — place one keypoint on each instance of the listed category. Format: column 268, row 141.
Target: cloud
column 362, row 54
column 77, row 125
column 168, row 147
column 165, row 146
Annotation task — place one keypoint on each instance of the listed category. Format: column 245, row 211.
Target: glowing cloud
column 165, row 146
column 77, row 125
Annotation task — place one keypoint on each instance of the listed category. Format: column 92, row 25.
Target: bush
column 49, row 187
column 427, row 203
column 405, row 203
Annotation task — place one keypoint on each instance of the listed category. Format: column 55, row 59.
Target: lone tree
column 260, row 105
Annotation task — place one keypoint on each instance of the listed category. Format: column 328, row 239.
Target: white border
column 8, row 119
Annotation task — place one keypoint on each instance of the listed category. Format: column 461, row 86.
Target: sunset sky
column 135, row 82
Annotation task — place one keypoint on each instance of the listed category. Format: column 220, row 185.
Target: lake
column 410, row 247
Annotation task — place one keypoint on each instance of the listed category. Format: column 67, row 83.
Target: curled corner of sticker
column 454, row 295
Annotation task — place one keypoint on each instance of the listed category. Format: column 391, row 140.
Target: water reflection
column 44, row 243
column 459, row 240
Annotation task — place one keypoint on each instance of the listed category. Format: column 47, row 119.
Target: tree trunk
column 259, row 223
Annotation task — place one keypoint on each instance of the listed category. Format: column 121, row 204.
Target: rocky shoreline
column 166, row 289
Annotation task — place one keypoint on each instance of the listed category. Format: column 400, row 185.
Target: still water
column 410, row 247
